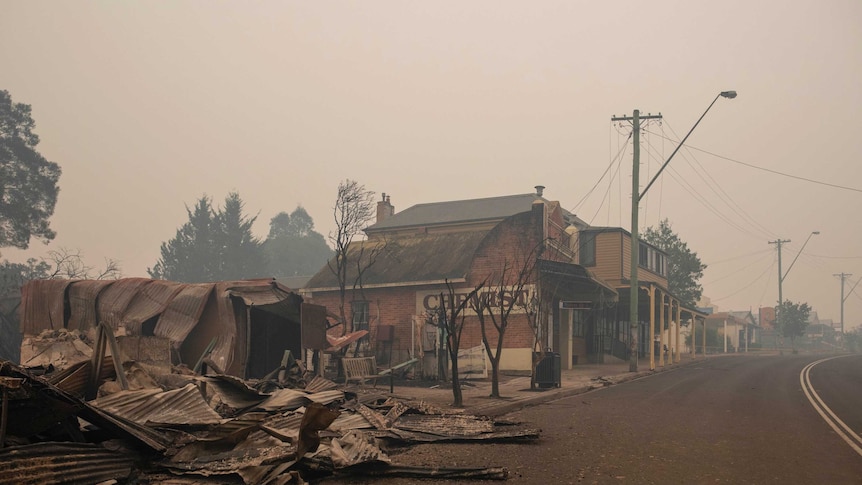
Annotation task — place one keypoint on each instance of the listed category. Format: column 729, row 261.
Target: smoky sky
column 149, row 105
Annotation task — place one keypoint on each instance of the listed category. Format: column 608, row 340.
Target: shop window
column 360, row 309
column 579, row 323
column 587, row 249
column 652, row 259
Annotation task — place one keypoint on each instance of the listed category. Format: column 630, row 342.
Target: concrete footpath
column 515, row 390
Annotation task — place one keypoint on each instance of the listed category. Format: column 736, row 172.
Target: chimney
column 384, row 208
column 539, row 190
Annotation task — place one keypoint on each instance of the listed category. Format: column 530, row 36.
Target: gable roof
column 743, row 315
column 458, row 211
column 416, row 259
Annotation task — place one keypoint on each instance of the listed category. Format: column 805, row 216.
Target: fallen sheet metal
column 180, row 407
column 353, row 448
column 288, row 399
column 50, row 462
column 234, row 392
column 226, row 458
column 285, row 436
column 317, row 418
column 455, row 425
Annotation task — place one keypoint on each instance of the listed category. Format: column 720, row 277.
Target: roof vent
column 539, row 190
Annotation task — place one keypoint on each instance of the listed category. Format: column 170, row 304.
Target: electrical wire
column 697, row 195
column 607, row 169
column 776, row 172
column 744, row 287
column 715, row 188
column 724, row 196
column 713, row 263
column 733, row 273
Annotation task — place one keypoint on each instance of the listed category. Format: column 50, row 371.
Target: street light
column 813, row 233
column 636, row 198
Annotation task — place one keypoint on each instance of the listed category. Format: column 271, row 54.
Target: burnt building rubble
column 98, row 407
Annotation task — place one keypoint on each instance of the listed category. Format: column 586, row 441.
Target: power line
column 744, row 287
column 734, row 273
column 759, row 251
column 696, row 194
column 776, row 172
column 613, row 161
column 732, row 203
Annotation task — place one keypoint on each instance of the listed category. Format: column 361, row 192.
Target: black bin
column 548, row 370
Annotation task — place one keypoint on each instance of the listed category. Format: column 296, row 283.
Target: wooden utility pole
column 844, row 276
column 634, row 326
column 637, row 195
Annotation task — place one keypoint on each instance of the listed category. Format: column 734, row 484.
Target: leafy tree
column 241, row 254
column 293, row 247
column 713, row 340
column 684, row 267
column 792, row 320
column 853, row 341
column 28, row 182
column 297, row 223
column 213, row 245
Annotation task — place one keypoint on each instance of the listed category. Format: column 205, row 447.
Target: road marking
column 844, row 431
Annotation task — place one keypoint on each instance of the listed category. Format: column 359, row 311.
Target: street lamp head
column 815, row 232
column 728, row 94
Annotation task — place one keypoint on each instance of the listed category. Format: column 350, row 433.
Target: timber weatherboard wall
column 613, row 258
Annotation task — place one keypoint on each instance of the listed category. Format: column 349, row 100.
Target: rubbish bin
column 548, row 370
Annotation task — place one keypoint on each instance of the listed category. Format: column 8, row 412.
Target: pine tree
column 212, row 246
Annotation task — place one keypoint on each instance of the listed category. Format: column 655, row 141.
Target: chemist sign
column 429, row 301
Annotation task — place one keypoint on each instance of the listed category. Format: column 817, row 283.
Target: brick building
column 521, row 247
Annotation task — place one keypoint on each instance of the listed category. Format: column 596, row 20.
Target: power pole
column 637, row 195
column 778, row 243
column 634, row 326
column 843, row 277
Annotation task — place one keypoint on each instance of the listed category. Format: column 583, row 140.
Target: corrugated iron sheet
column 215, row 458
column 74, row 379
column 234, row 392
column 51, row 397
column 82, row 302
column 452, row 425
column 284, row 424
column 354, row 448
column 49, row 462
column 114, row 300
column 293, row 399
column 230, row 331
column 318, row 383
column 149, row 301
column 259, row 292
column 183, row 312
column 42, row 305
column 351, row 421
column 183, row 406
column 191, row 316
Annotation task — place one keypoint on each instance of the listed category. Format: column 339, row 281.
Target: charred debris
column 107, row 420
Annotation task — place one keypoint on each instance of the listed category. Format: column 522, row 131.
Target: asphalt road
column 736, row 419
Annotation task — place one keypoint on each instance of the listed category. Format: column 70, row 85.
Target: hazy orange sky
column 147, row 106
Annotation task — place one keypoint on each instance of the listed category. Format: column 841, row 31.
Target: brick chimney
column 384, row 208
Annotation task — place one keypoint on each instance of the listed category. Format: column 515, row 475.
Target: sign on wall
column 576, row 305
column 429, row 301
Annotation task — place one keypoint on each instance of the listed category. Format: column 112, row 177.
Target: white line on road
column 831, row 419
